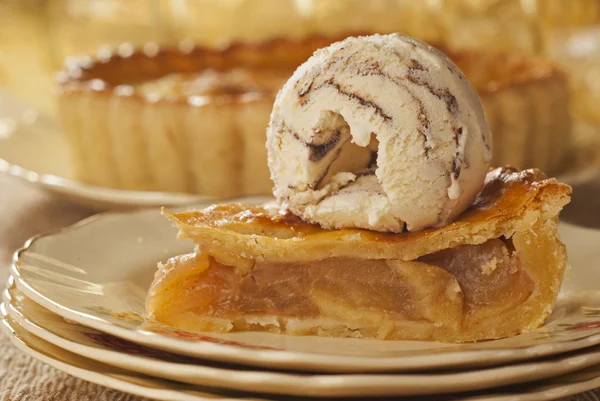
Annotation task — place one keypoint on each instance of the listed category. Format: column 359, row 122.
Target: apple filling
column 339, row 295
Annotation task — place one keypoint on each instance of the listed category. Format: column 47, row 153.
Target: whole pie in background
column 194, row 120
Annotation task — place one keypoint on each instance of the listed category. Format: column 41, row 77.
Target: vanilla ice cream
column 378, row 132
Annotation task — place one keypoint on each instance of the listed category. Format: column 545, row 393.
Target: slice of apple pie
column 494, row 272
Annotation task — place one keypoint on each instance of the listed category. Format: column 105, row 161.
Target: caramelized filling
column 212, row 82
column 484, row 71
column 440, row 288
column 488, row 274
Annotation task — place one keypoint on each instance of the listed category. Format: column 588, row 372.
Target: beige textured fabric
column 25, row 211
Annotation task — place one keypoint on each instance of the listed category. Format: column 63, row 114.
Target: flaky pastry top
column 237, row 234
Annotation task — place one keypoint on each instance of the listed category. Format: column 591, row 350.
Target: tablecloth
column 26, row 210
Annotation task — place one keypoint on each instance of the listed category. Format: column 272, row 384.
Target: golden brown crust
column 511, row 201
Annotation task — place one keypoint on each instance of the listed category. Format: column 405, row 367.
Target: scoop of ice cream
column 378, row 132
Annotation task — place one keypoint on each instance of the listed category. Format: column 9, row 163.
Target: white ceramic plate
column 97, row 273
column 114, row 351
column 109, row 376
column 147, row 386
column 32, row 149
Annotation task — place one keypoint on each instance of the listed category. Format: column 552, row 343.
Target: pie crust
column 495, row 272
column 123, row 135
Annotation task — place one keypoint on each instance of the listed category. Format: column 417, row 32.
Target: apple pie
column 494, row 272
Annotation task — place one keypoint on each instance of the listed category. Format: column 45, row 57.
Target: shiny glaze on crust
column 500, row 208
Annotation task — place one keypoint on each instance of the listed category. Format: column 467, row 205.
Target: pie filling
column 442, row 290
column 482, row 72
column 213, row 82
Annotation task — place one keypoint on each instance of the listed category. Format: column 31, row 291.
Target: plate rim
column 114, row 383
column 102, row 379
column 320, row 388
column 283, row 359
column 96, row 194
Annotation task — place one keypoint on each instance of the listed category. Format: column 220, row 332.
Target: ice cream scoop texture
column 378, row 132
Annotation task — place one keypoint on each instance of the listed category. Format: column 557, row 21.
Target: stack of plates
column 76, row 302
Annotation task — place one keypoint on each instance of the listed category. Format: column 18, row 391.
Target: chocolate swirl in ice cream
column 378, row 132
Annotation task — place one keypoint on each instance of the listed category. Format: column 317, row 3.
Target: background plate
column 32, row 149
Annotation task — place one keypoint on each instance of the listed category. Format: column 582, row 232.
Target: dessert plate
column 36, row 153
column 32, row 149
column 113, row 351
column 109, row 376
column 97, row 272
column 159, row 389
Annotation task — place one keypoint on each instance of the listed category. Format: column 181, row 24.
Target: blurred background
column 37, row 35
